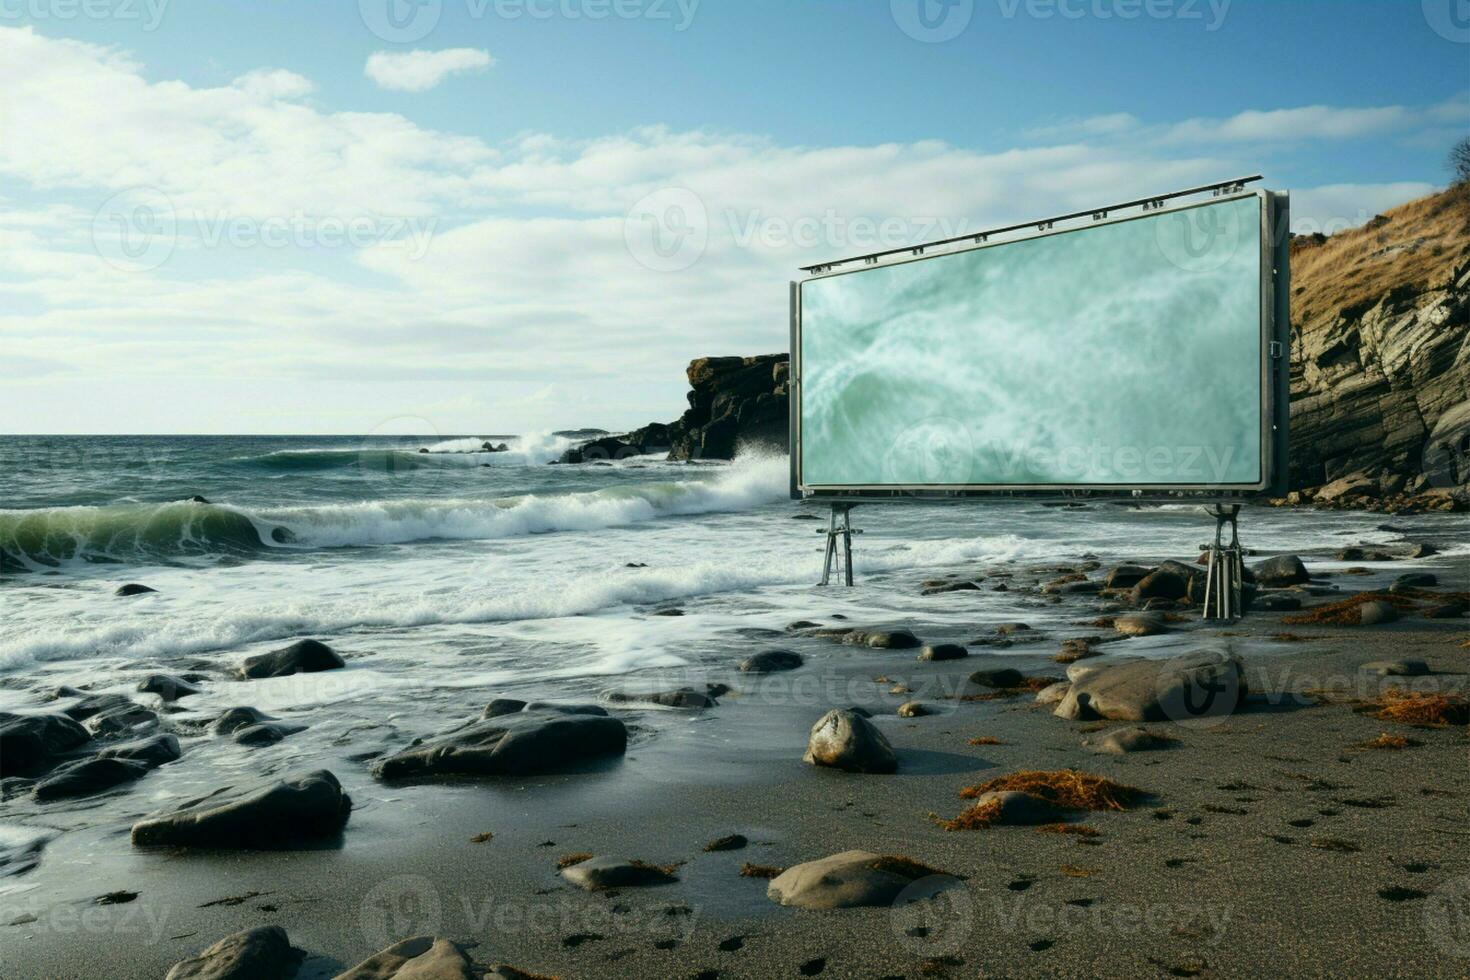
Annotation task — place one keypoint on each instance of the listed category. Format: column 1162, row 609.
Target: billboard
column 1138, row 353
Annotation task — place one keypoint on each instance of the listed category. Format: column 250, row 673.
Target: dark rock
column 1396, row 668
column 1126, row 576
column 132, row 589
column 262, row 953
column 153, row 751
column 734, row 401
column 1019, row 809
column 770, row 662
column 1376, row 613
column 235, row 719
column 275, row 814
column 266, row 733
column 1001, row 677
column 301, row 657
column 530, row 742
column 947, row 587
column 129, row 719
column 422, row 958
column 1276, row 602
column 86, row 777
column 502, row 706
column 943, row 651
column 1453, row 609
column 96, row 704
column 196, row 499
column 167, row 686
column 684, row 697
column 846, row 740
column 881, row 639
column 1417, row 580
column 31, row 743
column 1281, row 571
column 608, row 448
column 1125, row 740
column 733, row 842
column 1162, row 583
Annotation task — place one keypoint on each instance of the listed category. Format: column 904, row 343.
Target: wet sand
column 1272, row 844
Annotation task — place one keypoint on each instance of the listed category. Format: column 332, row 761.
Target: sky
column 491, row 216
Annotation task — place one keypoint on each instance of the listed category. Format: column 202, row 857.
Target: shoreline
column 406, row 864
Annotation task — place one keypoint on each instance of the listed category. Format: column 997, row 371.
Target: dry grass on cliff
column 1417, row 246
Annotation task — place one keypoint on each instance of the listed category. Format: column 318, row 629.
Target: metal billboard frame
column 1274, row 355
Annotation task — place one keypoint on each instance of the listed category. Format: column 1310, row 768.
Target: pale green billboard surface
column 1125, row 354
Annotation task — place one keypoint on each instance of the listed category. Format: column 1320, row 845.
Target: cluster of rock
column 734, row 402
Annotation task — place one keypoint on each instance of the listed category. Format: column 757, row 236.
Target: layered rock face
column 1380, row 382
column 734, row 402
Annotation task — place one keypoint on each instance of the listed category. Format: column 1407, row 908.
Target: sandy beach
column 1270, row 842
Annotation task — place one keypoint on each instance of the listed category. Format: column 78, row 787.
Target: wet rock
column 1281, row 571
column 86, row 777
column 770, row 662
column 1453, row 609
column 684, row 697
column 732, row 842
column 1276, row 602
column 423, row 958
column 845, row 740
column 167, row 686
column 262, row 953
column 942, row 588
column 1396, row 668
column 123, row 720
column 943, row 651
column 274, row 814
column 913, row 709
column 1074, row 588
column 802, row 624
column 1196, row 685
column 301, row 657
column 235, row 719
column 1002, row 677
column 95, row 704
column 29, row 744
column 1128, row 740
column 1077, row 648
column 1162, row 583
column 1140, row 624
column 266, row 733
column 1417, row 580
column 601, row 873
column 1355, row 553
column 1126, row 576
column 851, row 879
column 1376, row 613
column 882, row 639
column 1053, row 693
column 1421, row 550
column 1011, row 629
column 503, row 706
column 153, row 751
column 132, row 589
column 529, row 742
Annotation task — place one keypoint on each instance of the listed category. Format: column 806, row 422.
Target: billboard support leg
column 839, row 526
column 1225, row 577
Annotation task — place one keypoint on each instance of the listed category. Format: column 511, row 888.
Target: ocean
column 436, row 572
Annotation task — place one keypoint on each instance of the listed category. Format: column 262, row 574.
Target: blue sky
column 498, row 168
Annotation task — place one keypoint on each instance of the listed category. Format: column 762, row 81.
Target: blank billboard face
column 1122, row 354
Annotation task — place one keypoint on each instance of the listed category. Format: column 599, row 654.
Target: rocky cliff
column 734, row 403
column 1380, row 381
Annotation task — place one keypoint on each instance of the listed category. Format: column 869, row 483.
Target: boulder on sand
column 301, row 657
column 1376, row 613
column 1125, row 740
column 262, row 953
column 1202, row 684
column 1017, row 809
column 770, row 662
column 31, row 743
column 86, row 777
column 422, row 958
column 1168, row 581
column 601, row 873
column 1281, row 571
column 530, row 742
column 1053, row 693
column 1003, row 677
column 263, row 816
column 852, row 879
column 842, row 739
column 1140, row 624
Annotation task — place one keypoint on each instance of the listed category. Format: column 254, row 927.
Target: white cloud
column 419, row 71
column 528, row 279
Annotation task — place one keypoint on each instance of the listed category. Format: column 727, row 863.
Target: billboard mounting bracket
column 1225, row 574
column 839, row 530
